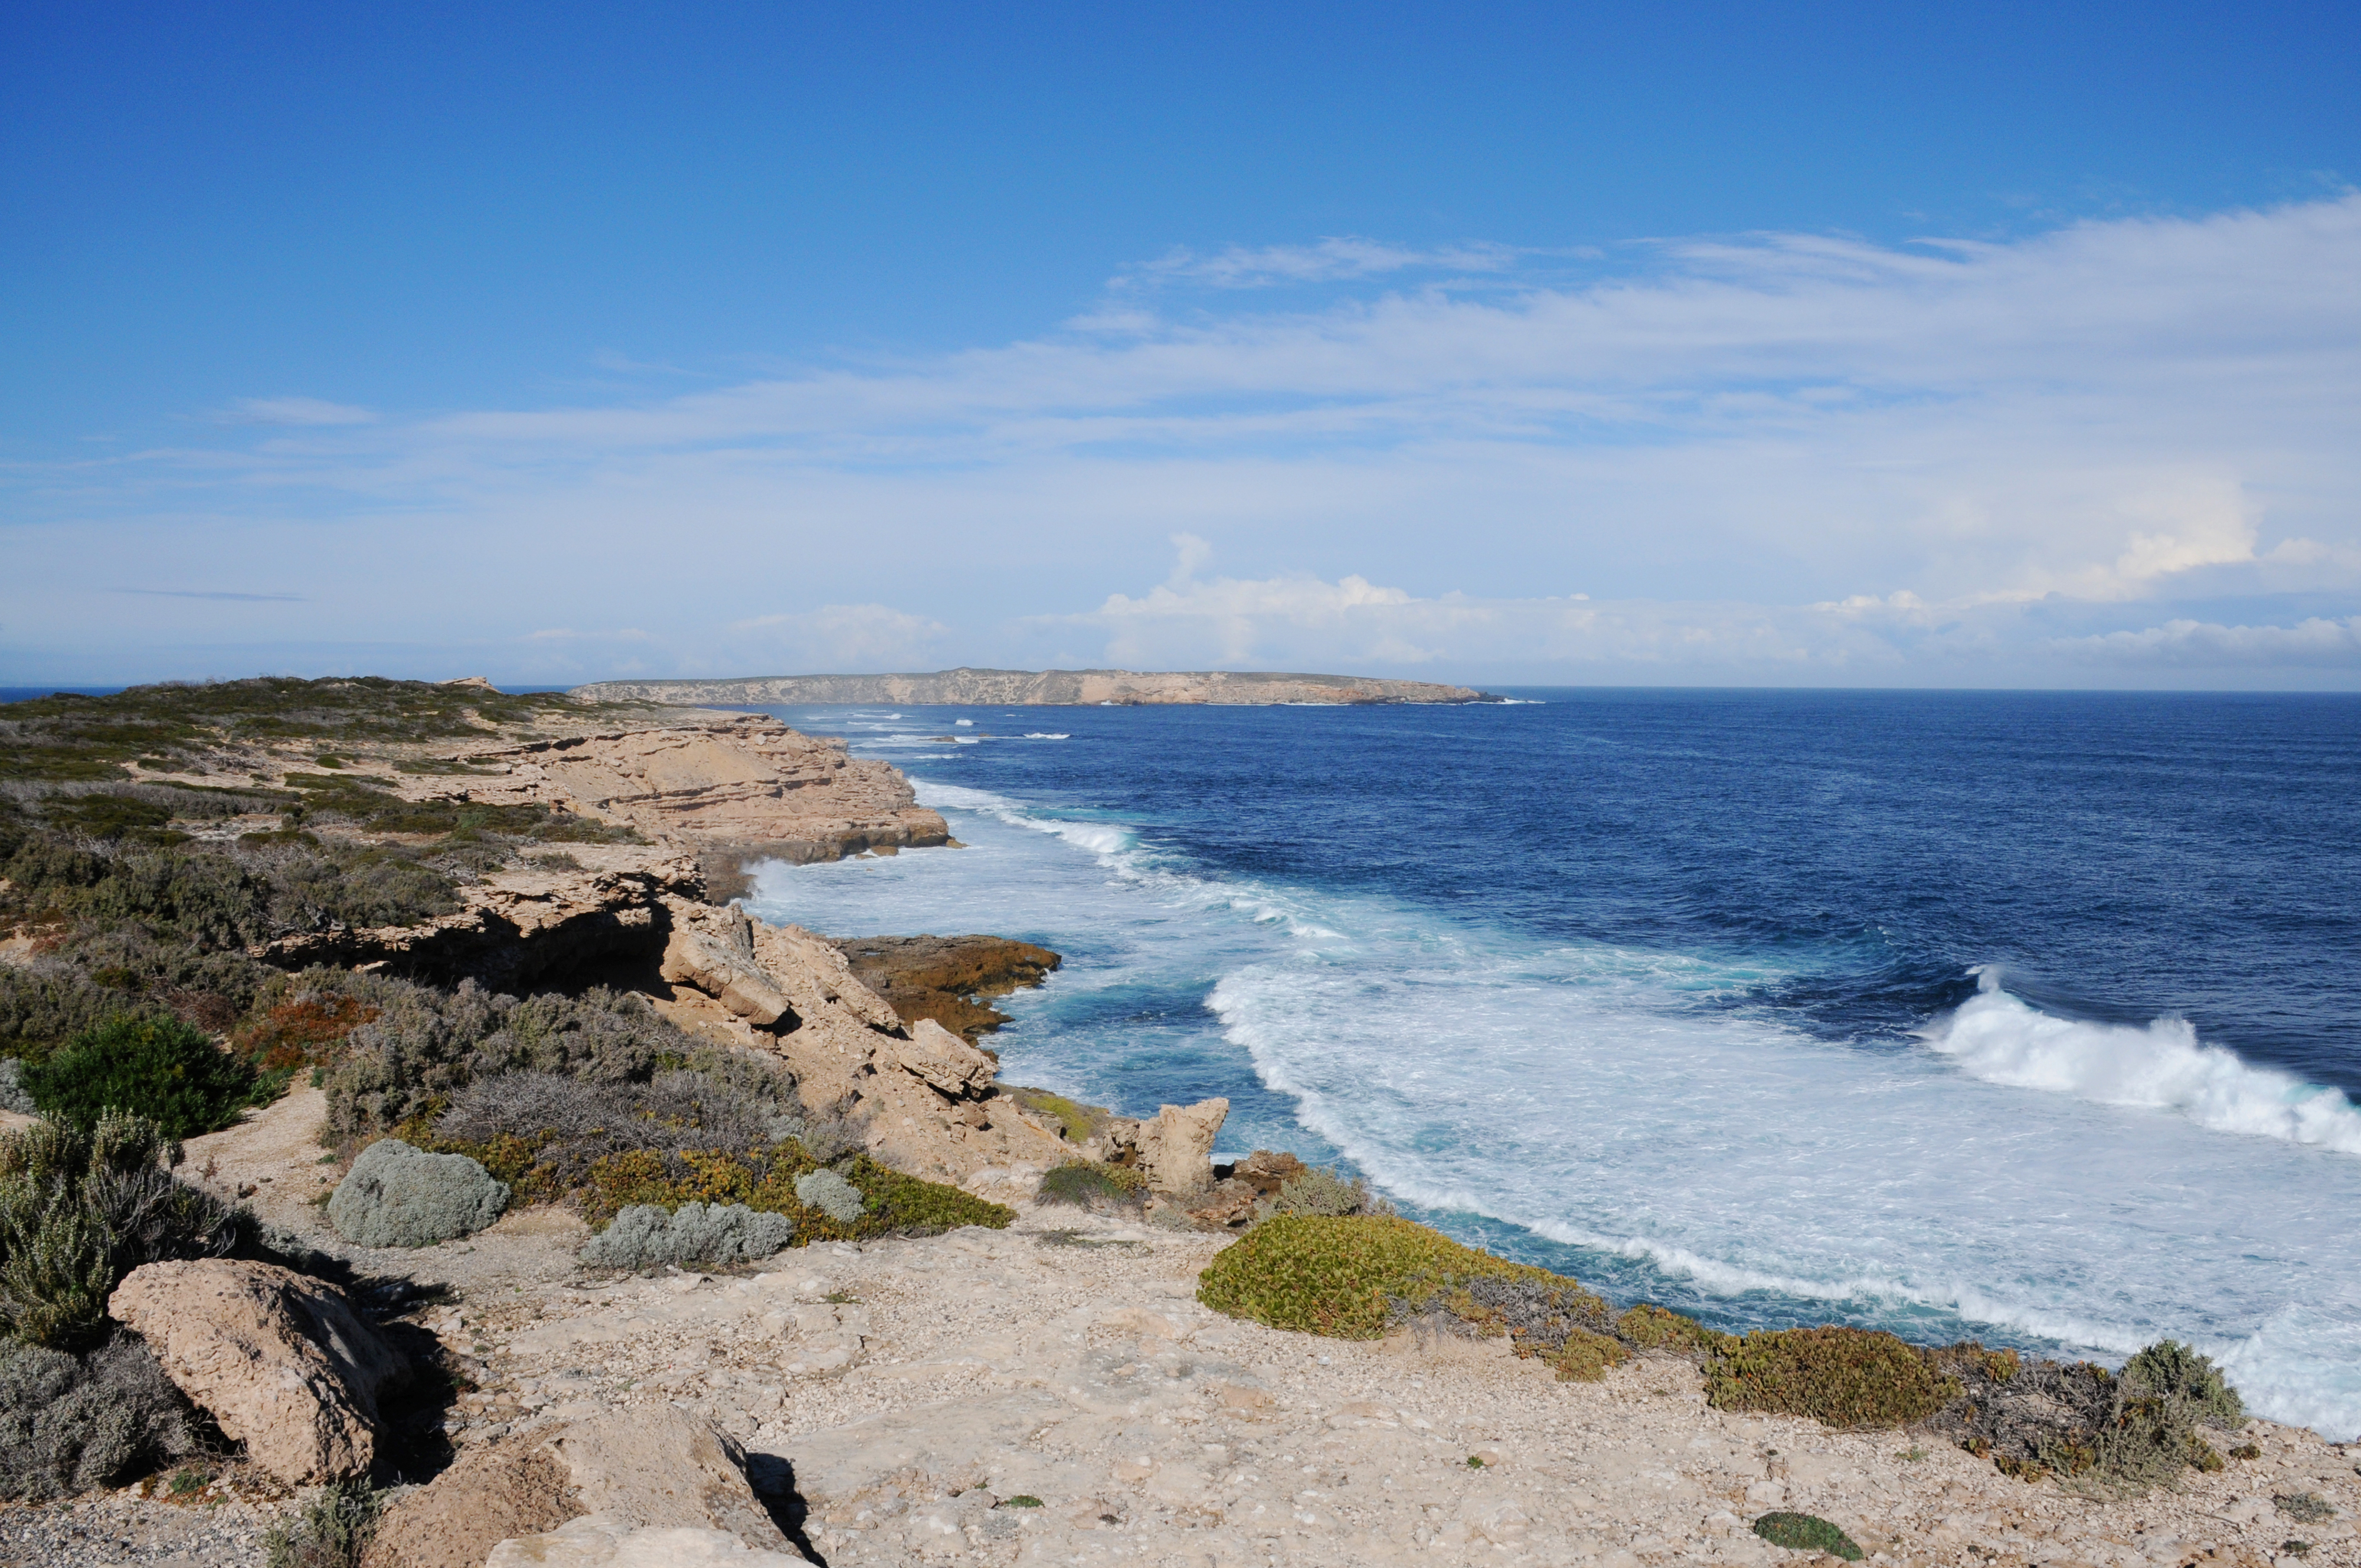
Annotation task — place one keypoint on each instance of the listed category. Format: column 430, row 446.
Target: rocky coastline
column 1047, row 1384
column 1020, row 689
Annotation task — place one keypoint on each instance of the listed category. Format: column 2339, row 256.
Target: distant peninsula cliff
column 964, row 686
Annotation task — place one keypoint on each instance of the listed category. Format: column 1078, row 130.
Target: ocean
column 2033, row 1018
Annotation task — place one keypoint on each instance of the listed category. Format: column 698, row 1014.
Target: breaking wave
column 2162, row 1066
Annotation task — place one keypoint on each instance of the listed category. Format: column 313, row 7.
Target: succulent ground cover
column 1358, row 1276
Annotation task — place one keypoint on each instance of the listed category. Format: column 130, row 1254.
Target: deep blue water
column 2029, row 1016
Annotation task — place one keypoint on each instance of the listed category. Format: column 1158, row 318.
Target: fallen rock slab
column 281, row 1361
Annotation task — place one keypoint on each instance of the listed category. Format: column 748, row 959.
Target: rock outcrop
column 748, row 784
column 1173, row 1148
column 279, row 1360
column 398, row 1196
column 648, row 1487
column 945, row 978
column 964, row 686
column 519, row 923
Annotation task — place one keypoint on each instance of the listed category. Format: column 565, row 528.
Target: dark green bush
column 160, row 1069
column 1806, row 1533
column 1839, row 1376
column 79, row 1208
column 71, row 1423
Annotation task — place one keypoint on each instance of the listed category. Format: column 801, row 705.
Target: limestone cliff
column 1125, row 688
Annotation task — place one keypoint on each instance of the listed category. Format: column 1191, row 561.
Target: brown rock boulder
column 279, row 1360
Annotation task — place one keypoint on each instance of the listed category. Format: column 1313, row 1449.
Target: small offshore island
column 415, row 1158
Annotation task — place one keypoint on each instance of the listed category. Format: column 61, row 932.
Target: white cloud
column 2316, row 640
column 1953, row 460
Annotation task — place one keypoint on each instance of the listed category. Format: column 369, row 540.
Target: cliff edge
column 964, row 686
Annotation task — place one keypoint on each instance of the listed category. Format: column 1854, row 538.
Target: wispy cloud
column 224, row 594
column 1758, row 454
column 1328, row 261
column 293, row 410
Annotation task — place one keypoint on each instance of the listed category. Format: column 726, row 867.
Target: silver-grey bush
column 697, row 1235
column 398, row 1196
column 69, row 1423
column 830, row 1194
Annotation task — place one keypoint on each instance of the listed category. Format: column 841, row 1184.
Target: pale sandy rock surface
column 1028, row 687
column 907, row 1387
column 741, row 779
column 281, row 1361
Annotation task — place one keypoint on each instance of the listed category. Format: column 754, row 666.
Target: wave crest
column 2163, row 1067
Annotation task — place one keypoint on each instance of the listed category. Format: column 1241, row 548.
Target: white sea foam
column 2020, row 1175
column 2162, row 1066
column 1039, row 735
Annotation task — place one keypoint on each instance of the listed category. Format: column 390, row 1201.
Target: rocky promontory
column 1022, row 688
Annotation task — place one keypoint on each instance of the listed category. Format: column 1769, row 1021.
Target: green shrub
column 1076, row 1121
column 333, row 1530
column 892, row 1204
column 159, row 1069
column 71, row 1423
column 2305, row 1508
column 1083, row 1182
column 1324, row 1193
column 79, row 1208
column 1587, row 1357
column 1806, row 1533
column 2190, row 1383
column 1839, row 1376
column 1347, row 1278
column 1652, row 1327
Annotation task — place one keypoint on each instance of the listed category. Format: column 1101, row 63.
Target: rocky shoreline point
column 1022, row 688
column 1047, row 1387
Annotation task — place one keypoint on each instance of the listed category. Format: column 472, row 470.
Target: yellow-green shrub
column 1586, row 1357
column 1341, row 1277
column 891, row 1202
column 1839, row 1376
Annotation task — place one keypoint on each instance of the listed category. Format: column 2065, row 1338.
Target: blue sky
column 1768, row 344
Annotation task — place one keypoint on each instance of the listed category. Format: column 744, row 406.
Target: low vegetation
column 333, row 1530
column 1839, row 1376
column 1088, row 1184
column 70, row 1424
column 1806, row 1533
column 1358, row 1276
column 79, row 1208
column 162, row 1069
